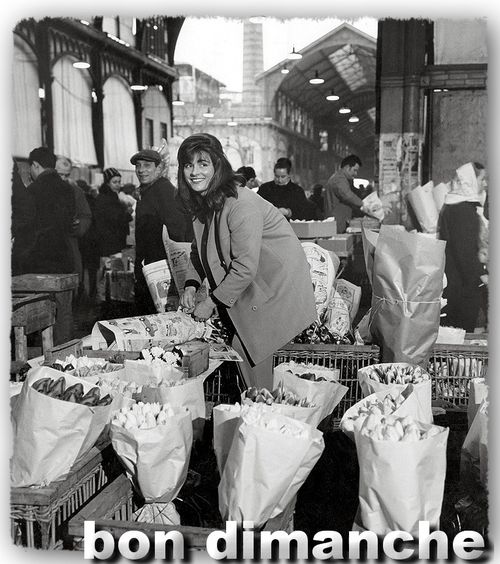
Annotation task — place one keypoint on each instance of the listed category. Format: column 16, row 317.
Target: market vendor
column 288, row 197
column 158, row 206
column 257, row 271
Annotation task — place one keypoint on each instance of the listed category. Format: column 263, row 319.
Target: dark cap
column 146, row 155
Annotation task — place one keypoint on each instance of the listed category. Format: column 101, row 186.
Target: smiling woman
column 199, row 172
column 256, row 268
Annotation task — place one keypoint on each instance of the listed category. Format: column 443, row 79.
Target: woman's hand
column 204, row 310
column 187, row 301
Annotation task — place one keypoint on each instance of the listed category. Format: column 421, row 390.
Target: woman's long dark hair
column 223, row 184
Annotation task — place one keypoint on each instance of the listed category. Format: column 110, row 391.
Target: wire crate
column 224, row 385
column 39, row 516
column 451, row 368
column 348, row 359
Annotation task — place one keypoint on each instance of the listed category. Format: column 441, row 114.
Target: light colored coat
column 266, row 284
column 339, row 199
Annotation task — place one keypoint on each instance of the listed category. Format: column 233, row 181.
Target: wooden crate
column 39, row 516
column 194, row 362
column 44, row 282
column 112, row 511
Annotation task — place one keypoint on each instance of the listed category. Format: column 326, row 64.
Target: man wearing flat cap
column 158, row 205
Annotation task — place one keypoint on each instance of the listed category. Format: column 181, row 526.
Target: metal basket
column 451, row 368
column 348, row 359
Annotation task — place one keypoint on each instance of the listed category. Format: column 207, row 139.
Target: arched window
column 27, row 121
column 72, row 108
column 120, row 133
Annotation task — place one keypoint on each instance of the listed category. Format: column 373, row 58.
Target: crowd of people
column 239, row 232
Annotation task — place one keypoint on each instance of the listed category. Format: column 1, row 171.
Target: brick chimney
column 253, row 63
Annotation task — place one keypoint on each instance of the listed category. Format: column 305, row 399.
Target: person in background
column 111, row 227
column 159, row 205
column 340, row 197
column 89, row 248
column 83, row 215
column 256, row 268
column 128, row 196
column 51, row 252
column 287, row 196
column 317, row 199
column 249, row 173
column 460, row 226
column 22, row 225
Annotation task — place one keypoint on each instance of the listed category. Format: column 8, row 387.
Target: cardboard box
column 340, row 244
column 314, row 229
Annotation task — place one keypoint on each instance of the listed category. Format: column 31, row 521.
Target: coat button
column 231, row 300
column 254, row 308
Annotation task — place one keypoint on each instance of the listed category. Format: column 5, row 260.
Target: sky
column 222, row 40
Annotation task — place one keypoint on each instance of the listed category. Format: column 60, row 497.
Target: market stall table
column 31, row 313
column 60, row 287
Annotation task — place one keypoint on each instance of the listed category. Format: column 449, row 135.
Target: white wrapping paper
column 265, row 468
column 188, row 393
column 410, row 406
column 326, row 395
column 474, row 456
column 422, row 201
column 343, row 306
column 50, row 434
column 400, row 483
column 310, row 415
column 373, row 204
column 225, row 418
column 478, row 391
column 156, row 459
column 421, row 390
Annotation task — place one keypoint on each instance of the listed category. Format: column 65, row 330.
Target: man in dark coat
column 284, row 194
column 159, row 205
column 22, row 225
column 55, row 211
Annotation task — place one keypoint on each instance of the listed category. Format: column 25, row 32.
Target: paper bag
column 407, row 287
column 265, row 467
column 51, row 434
column 422, row 201
column 421, row 390
column 474, row 455
column 156, row 459
column 373, row 204
column 400, row 483
column 311, row 414
column 342, row 307
column 411, row 406
column 225, row 419
column 478, row 391
column 327, row 394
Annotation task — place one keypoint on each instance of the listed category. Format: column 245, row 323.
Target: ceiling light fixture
column 344, row 110
column 208, row 114
column 81, row 65
column 138, row 87
column 294, row 55
column 257, row 19
column 177, row 101
column 353, row 119
column 232, row 123
column 332, row 97
column 316, row 79
column 285, row 70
